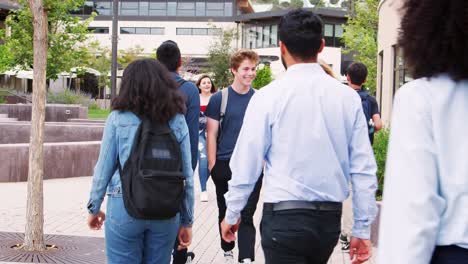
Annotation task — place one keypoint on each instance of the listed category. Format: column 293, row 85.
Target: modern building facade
column 392, row 71
column 195, row 24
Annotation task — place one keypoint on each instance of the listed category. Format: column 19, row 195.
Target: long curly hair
column 434, row 37
column 147, row 89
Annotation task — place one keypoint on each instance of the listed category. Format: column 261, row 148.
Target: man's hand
column 95, row 221
column 360, row 250
column 185, row 237
column 211, row 164
column 228, row 231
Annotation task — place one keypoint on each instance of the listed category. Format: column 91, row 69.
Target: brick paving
column 65, row 214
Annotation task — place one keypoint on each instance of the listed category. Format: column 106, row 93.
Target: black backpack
column 367, row 108
column 153, row 184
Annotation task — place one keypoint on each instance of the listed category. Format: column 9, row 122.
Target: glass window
column 184, row 5
column 157, row 12
column 328, row 30
column 274, row 36
column 88, row 8
column 215, row 13
column 215, row 6
column 142, row 31
column 127, row 30
column 259, row 37
column 227, row 9
column 104, row 8
column 98, row 30
column 184, row 31
column 252, row 37
column 266, row 36
column 157, row 31
column 129, row 8
column 157, row 5
column 199, row 31
column 200, row 9
column 338, row 31
column 215, row 31
column 144, row 8
column 186, row 12
column 129, row 5
column 171, row 8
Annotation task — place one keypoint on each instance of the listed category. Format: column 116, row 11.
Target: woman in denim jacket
column 206, row 89
column 147, row 89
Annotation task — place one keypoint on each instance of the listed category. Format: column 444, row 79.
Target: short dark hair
column 168, row 53
column 302, row 32
column 147, row 89
column 213, row 87
column 357, row 72
column 434, row 37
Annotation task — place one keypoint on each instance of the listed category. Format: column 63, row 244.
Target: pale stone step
column 3, row 115
column 2, row 119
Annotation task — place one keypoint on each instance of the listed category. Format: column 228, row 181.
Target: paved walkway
column 65, row 214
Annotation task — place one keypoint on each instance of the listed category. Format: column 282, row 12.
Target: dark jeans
column 221, row 174
column 450, row 255
column 299, row 236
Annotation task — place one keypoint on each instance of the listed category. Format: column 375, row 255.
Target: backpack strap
column 224, row 100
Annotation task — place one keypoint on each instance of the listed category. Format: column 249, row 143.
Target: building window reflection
column 185, row 8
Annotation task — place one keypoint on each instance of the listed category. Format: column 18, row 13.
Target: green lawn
column 98, row 113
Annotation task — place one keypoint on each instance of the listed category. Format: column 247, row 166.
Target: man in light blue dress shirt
column 311, row 132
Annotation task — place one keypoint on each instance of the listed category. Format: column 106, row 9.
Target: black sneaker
column 190, row 257
column 344, row 243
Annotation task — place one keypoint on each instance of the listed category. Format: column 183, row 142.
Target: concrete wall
column 54, row 112
column 19, row 132
column 61, row 160
column 389, row 24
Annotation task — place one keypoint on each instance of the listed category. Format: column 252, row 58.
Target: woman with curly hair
column 206, row 88
column 425, row 200
column 148, row 91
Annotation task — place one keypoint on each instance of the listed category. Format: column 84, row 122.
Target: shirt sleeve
column 412, row 206
column 375, row 107
column 212, row 109
column 187, row 208
column 192, row 119
column 254, row 141
column 106, row 166
column 363, row 170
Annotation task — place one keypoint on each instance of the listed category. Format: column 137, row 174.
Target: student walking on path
column 206, row 88
column 222, row 131
column 311, row 132
column 424, row 214
column 147, row 91
column 168, row 53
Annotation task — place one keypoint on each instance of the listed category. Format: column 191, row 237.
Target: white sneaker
column 229, row 257
column 204, row 196
column 247, row 260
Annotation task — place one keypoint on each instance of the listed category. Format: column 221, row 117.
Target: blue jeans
column 130, row 240
column 203, row 171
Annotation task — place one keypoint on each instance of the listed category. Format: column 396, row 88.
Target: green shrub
column 380, row 150
column 93, row 106
column 66, row 97
column 264, row 77
column 2, row 99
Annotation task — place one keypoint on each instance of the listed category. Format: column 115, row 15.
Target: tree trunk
column 34, row 234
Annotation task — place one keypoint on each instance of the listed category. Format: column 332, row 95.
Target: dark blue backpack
column 367, row 108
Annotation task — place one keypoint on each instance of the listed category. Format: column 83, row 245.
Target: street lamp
column 115, row 17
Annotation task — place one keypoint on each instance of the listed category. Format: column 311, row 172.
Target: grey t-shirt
column 233, row 118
